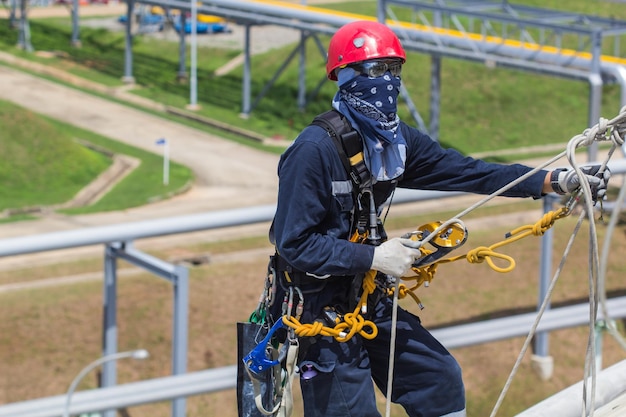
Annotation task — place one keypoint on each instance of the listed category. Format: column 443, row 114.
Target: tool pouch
column 248, row 337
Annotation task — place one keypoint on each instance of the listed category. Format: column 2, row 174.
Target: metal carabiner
column 258, row 360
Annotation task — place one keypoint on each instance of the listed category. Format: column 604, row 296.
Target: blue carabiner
column 257, row 360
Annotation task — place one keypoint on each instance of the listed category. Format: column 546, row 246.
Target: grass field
column 48, row 166
column 43, row 325
column 42, row 164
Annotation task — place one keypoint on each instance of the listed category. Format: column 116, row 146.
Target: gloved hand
column 566, row 181
column 395, row 256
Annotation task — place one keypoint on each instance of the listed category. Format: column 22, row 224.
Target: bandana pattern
column 371, row 106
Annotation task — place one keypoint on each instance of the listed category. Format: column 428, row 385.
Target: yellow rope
column 350, row 324
column 486, row 253
column 354, row 323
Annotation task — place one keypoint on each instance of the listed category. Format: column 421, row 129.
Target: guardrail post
column 541, row 360
column 178, row 276
column 109, row 320
column 180, row 331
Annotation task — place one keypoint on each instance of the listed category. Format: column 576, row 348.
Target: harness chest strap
column 350, row 149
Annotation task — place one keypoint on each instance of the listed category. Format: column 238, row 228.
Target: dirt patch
column 49, row 334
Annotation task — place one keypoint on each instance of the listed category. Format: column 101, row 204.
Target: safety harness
column 366, row 226
column 443, row 236
column 280, row 364
column 350, row 149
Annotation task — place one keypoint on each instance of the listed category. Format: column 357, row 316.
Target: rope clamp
column 446, row 240
column 259, row 359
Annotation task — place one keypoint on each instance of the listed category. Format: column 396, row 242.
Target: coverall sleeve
column 431, row 167
column 312, row 220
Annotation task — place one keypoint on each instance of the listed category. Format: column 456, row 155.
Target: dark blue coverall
column 311, row 231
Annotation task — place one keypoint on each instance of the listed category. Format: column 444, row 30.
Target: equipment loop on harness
column 351, row 324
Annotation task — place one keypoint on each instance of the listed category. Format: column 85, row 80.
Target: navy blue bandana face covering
column 371, row 106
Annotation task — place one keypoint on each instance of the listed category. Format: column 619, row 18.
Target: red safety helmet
column 359, row 41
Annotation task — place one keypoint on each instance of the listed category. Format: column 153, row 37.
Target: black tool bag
column 249, row 335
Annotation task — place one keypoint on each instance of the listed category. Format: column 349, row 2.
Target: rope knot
column 478, row 255
column 546, row 222
column 369, row 283
column 403, row 290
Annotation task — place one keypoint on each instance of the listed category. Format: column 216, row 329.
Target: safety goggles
column 377, row 68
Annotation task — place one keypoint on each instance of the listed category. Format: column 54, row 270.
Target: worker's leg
column 336, row 381
column 427, row 379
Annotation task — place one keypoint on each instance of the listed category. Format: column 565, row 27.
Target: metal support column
column 128, row 50
column 109, row 320
column 179, row 277
column 182, row 49
column 23, row 41
column 435, row 96
column 302, row 73
column 193, row 78
column 75, row 29
column 435, row 86
column 180, row 281
column 595, row 91
column 381, row 11
column 541, row 360
column 12, row 14
column 247, row 77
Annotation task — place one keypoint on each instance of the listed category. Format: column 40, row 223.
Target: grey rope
column 606, row 130
column 596, row 133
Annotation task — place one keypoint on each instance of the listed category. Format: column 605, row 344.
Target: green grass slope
column 41, row 165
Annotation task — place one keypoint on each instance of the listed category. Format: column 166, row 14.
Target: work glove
column 395, row 256
column 566, row 181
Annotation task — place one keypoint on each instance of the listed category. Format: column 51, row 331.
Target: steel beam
column 128, row 395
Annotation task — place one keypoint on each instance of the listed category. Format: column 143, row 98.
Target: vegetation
column 143, row 185
column 481, row 109
column 44, row 165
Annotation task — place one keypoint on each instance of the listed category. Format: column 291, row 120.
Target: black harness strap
column 350, row 149
column 348, row 144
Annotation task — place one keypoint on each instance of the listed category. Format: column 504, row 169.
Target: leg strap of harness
column 283, row 381
column 290, row 369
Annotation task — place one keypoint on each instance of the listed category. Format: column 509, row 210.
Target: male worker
column 319, row 209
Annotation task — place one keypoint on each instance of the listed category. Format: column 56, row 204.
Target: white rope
column 394, row 316
column 619, row 202
column 542, row 309
column 610, row 324
column 392, row 349
column 606, row 130
column 602, row 131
